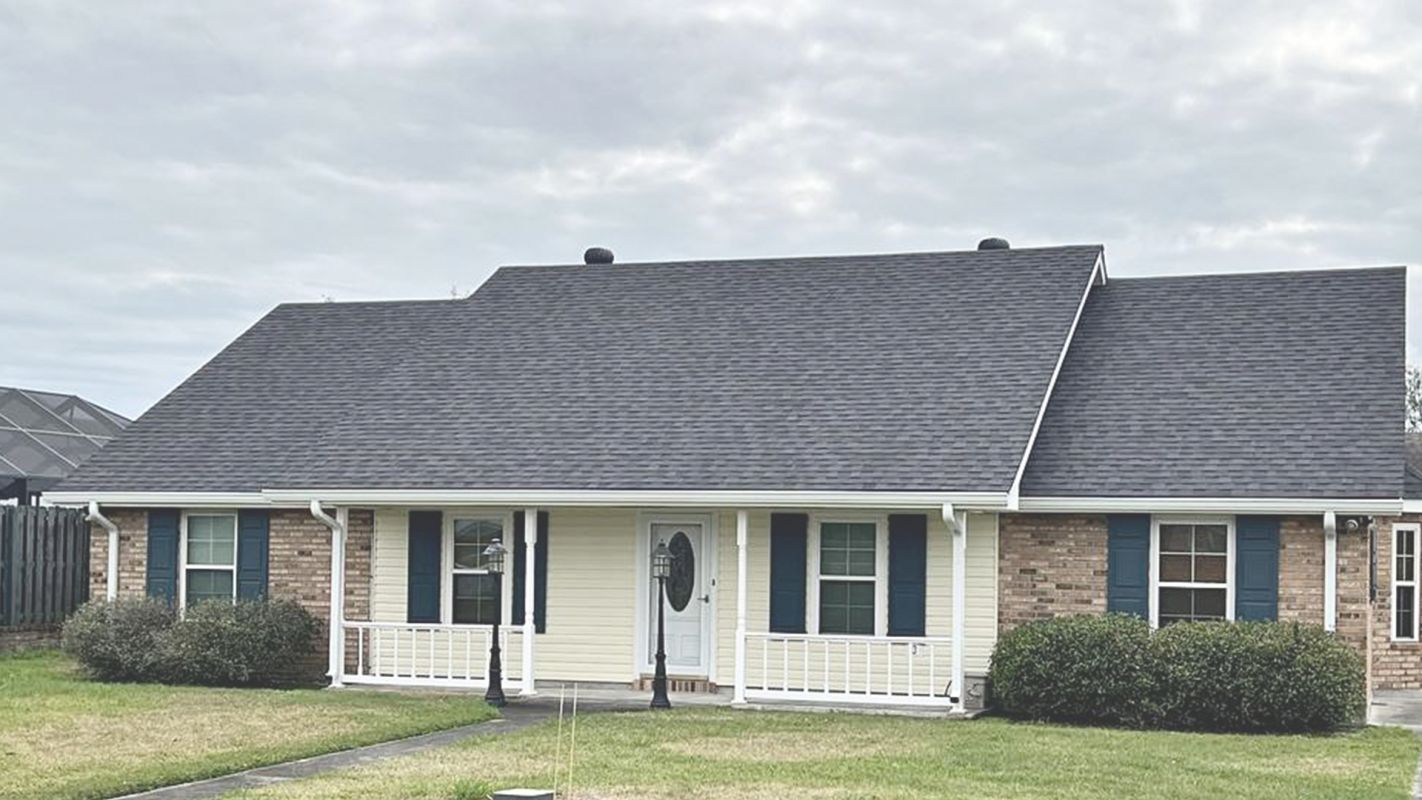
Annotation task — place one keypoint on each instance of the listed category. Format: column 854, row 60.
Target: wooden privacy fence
column 44, row 565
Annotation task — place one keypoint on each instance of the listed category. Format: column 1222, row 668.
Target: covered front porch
column 838, row 606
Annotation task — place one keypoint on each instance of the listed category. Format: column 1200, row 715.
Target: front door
column 687, row 605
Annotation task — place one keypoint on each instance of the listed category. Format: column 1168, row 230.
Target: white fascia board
column 164, row 499
column 659, row 498
column 1097, row 274
column 1214, row 505
column 1412, row 506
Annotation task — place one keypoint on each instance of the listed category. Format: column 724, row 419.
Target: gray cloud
column 170, row 171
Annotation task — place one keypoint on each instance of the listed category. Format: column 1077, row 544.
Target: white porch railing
column 400, row 654
column 849, row 669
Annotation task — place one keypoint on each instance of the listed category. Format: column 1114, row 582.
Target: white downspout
column 111, row 571
column 957, row 526
column 742, row 537
column 335, row 655
column 1330, row 571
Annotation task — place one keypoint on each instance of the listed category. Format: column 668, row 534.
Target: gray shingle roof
column 1412, row 480
column 894, row 372
column 1254, row 385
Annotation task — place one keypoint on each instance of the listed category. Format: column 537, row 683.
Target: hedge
column 248, row 643
column 1210, row 676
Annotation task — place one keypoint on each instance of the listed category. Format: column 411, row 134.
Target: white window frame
column 880, row 579
column 1156, row 584
column 448, row 570
column 183, row 566
column 1416, row 531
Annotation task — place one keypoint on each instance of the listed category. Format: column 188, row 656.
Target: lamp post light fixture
column 661, row 570
column 494, row 563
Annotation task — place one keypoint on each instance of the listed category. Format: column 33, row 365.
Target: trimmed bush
column 214, row 644
column 1210, row 676
column 118, row 641
column 1084, row 668
column 1257, row 676
column 241, row 644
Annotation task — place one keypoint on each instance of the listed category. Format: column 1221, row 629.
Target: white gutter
column 111, row 571
column 166, row 499
column 957, row 523
column 1216, row 505
column 1412, row 506
column 658, row 498
column 1016, row 490
column 335, row 653
column 1330, row 571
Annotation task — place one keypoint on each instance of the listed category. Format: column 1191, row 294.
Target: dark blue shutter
column 253, row 533
column 426, row 535
column 1256, row 573
column 908, row 573
column 1128, row 564
column 162, row 577
column 787, row 572
column 540, row 572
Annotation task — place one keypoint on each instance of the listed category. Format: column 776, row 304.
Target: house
column 868, row 467
column 44, row 436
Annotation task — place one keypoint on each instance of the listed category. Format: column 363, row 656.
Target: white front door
column 687, row 605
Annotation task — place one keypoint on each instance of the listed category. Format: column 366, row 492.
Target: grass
column 720, row 753
column 62, row 736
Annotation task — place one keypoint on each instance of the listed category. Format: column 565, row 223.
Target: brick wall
column 1055, row 564
column 1395, row 665
column 298, row 565
column 1048, row 565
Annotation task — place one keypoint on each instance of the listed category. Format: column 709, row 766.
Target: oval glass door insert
column 682, row 581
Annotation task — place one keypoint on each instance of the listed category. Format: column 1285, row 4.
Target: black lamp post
column 494, row 562
column 661, row 570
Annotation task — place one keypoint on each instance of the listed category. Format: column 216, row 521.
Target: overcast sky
column 170, row 171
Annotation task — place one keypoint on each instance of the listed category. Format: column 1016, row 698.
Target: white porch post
column 1330, row 571
column 530, row 541
column 957, row 523
column 742, row 533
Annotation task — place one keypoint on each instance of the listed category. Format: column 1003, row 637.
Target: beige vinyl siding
column 592, row 598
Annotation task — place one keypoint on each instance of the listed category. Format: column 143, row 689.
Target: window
column 1192, row 571
column 475, row 600
column 848, row 579
column 1404, row 582
column 209, row 558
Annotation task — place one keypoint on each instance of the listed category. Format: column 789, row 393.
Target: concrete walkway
column 516, row 716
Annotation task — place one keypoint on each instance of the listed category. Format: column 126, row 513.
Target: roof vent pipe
column 994, row 243
column 597, row 255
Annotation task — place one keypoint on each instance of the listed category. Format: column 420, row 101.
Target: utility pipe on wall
column 111, row 571
column 336, row 652
column 1330, row 570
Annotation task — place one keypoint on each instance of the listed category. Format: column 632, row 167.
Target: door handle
column 706, row 598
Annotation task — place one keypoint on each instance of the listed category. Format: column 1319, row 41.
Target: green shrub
column 1084, row 668
column 118, row 641
column 242, row 644
column 1211, row 676
column 1257, row 676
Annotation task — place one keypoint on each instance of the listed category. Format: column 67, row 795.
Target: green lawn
column 62, row 736
column 720, row 753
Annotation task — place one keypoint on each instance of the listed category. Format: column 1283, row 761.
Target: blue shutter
column 787, row 572
column 1256, row 573
column 426, row 535
column 908, row 573
column 1128, row 564
column 253, row 533
column 540, row 572
column 162, row 576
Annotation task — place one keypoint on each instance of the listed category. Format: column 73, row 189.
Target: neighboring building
column 44, row 436
column 869, row 467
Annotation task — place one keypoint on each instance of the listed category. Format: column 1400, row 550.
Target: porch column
column 957, row 523
column 742, row 533
column 338, row 597
column 530, row 541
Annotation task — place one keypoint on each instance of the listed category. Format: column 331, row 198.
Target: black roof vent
column 994, row 243
column 597, row 255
